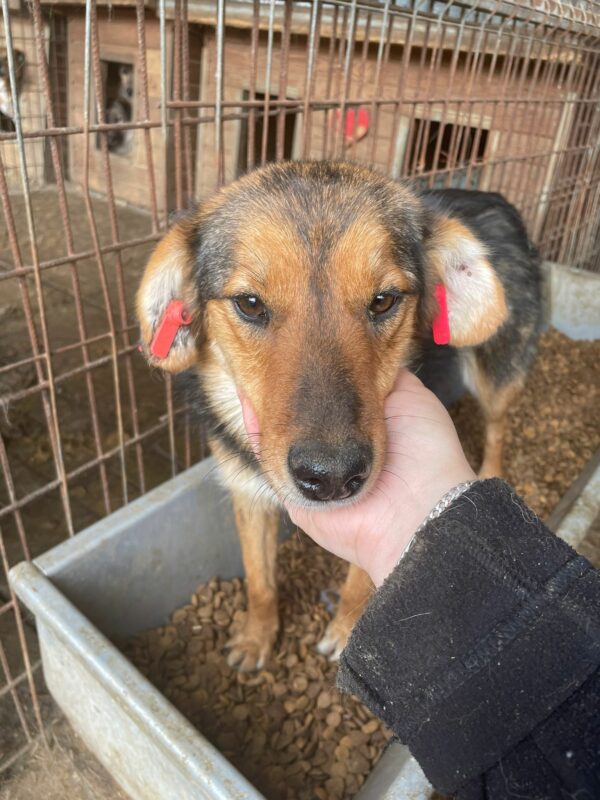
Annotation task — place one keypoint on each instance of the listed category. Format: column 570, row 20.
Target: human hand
column 424, row 461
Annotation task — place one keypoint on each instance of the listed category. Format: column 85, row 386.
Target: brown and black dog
column 309, row 284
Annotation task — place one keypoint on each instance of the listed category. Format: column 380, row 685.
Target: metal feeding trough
column 126, row 574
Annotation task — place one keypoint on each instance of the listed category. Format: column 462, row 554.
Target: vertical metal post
column 219, row 92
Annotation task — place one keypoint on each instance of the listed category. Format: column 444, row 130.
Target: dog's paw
column 335, row 638
column 250, row 648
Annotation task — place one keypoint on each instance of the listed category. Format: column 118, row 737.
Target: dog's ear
column 475, row 296
column 168, row 276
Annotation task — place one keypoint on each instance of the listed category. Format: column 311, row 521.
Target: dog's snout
column 326, row 472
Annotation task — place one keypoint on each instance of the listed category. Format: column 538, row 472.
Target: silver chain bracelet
column 446, row 501
column 439, row 509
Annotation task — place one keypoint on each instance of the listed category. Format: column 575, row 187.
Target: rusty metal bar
column 15, row 682
column 12, row 397
column 267, row 98
column 14, row 758
column 283, row 79
column 309, row 77
column 187, row 132
column 143, row 77
column 29, row 269
column 383, row 54
column 338, row 142
column 251, row 118
column 327, row 117
column 220, row 59
column 24, row 652
column 51, row 406
column 288, row 104
column 62, row 199
column 177, row 80
column 159, row 427
column 93, row 56
column 10, row 488
column 163, row 68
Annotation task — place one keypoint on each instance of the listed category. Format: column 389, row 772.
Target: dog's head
column 308, row 284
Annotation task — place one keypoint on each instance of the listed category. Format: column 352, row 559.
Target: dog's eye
column 251, row 308
column 383, row 303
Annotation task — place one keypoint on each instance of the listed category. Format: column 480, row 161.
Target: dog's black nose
column 327, row 472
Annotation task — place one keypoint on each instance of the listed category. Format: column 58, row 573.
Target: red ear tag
column 174, row 317
column 441, row 325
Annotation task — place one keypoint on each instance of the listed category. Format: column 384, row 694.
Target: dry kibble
column 301, row 703
column 240, row 712
column 285, row 727
column 290, row 706
column 333, row 719
column 358, row 738
column 227, row 740
column 357, row 763
column 327, row 733
column 221, row 617
column 551, row 425
column 299, row 684
column 200, row 697
column 313, row 689
column 335, row 788
column 179, row 616
column 195, row 647
column 371, row 727
column 338, row 769
column 288, row 755
column 294, row 769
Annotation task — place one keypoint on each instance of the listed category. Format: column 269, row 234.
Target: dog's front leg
column 354, row 596
column 257, row 526
column 496, row 404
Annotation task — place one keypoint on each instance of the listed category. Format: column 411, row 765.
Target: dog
column 307, row 285
column 7, row 109
column 119, row 110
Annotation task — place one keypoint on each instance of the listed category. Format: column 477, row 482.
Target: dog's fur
column 120, row 110
column 316, row 242
column 7, row 109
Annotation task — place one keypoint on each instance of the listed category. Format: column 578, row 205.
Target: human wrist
column 405, row 523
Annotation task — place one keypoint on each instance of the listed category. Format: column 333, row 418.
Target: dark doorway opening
column 257, row 119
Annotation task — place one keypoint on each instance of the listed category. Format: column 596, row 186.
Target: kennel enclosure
column 115, row 115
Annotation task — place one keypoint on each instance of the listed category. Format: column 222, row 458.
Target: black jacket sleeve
column 481, row 651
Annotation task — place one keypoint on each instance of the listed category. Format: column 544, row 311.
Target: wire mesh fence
column 113, row 116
